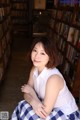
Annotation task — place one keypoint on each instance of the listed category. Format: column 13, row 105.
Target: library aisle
column 16, row 75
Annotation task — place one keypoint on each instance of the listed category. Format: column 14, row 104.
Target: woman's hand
column 26, row 88
column 39, row 108
column 29, row 90
column 31, row 97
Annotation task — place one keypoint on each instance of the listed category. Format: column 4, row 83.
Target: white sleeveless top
column 65, row 100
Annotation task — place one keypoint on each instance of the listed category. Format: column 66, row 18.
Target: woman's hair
column 50, row 49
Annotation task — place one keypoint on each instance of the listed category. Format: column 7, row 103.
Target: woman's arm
column 30, row 81
column 54, row 84
column 31, row 97
column 29, row 87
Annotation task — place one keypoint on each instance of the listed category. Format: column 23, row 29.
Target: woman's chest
column 40, row 86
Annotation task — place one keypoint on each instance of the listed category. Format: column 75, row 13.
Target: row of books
column 19, row 6
column 19, row 13
column 62, row 45
column 6, row 23
column 4, row 11
column 4, row 1
column 19, row 21
column 68, row 69
column 69, row 32
column 72, row 34
column 5, row 51
column 4, row 43
column 4, row 26
column 5, row 39
column 67, row 16
column 66, row 30
column 69, row 51
column 69, row 72
column 5, row 60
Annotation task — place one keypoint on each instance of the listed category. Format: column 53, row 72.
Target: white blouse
column 65, row 100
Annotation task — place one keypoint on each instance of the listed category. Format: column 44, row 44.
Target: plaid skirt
column 24, row 111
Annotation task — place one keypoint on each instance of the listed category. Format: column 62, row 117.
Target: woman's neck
column 40, row 70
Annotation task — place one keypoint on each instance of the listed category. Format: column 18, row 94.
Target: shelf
column 64, row 29
column 5, row 37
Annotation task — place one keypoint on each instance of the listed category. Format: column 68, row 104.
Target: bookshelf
column 39, row 18
column 5, row 38
column 21, row 17
column 64, row 29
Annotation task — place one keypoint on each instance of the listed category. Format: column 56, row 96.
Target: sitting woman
column 46, row 95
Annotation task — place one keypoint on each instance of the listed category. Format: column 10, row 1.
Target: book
column 0, row 49
column 67, row 16
column 59, row 14
column 63, row 48
column 57, row 27
column 8, row 37
column 73, row 35
column 60, row 42
column 78, row 18
column 51, row 23
column 62, row 28
column 3, row 44
column 78, row 42
column 65, row 30
column 1, row 70
column 1, row 31
column 61, row 58
column 76, row 36
column 66, row 68
column 53, row 13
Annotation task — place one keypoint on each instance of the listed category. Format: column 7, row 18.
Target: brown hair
column 50, row 49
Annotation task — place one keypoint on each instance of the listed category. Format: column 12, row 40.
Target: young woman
column 46, row 95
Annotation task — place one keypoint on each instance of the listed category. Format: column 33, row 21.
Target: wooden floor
column 16, row 75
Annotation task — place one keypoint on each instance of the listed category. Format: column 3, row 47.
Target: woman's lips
column 36, row 61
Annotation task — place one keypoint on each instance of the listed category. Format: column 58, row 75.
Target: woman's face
column 39, row 57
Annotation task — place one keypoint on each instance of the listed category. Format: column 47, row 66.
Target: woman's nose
column 37, row 55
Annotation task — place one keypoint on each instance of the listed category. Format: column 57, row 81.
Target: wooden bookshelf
column 5, row 38
column 21, row 17
column 64, row 28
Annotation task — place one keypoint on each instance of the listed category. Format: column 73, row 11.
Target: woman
column 46, row 95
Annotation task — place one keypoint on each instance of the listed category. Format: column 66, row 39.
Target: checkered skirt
column 24, row 111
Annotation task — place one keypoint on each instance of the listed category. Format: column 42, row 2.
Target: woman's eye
column 34, row 50
column 42, row 53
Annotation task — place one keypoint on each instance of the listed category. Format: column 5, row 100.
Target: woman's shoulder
column 55, row 74
column 54, row 71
